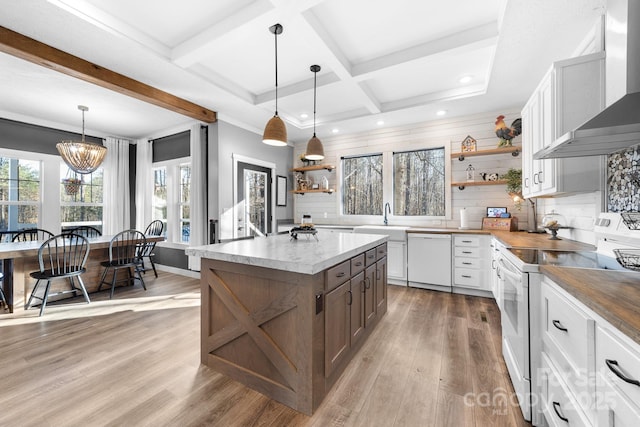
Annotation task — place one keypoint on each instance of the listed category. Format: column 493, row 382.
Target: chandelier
column 81, row 156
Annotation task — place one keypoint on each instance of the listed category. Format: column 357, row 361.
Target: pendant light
column 275, row 133
column 81, row 156
column 315, row 151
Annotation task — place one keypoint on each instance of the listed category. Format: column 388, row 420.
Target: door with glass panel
column 254, row 200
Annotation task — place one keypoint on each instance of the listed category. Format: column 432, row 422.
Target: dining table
column 19, row 259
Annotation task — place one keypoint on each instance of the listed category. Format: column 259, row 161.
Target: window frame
column 342, row 184
column 49, row 185
column 387, row 184
column 174, row 204
column 74, row 204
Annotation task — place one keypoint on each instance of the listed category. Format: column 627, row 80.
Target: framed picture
column 281, row 190
column 468, row 145
column 496, row 212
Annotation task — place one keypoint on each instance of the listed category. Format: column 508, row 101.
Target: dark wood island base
column 286, row 334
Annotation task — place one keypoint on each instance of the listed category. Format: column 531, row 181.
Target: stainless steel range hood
column 617, row 127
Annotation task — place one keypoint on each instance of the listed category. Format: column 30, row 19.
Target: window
column 362, row 185
column 419, row 182
column 81, row 198
column 19, row 193
column 172, row 198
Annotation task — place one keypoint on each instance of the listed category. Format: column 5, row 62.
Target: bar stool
column 61, row 257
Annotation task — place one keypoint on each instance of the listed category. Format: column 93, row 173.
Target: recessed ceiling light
column 335, row 130
column 441, row 112
column 304, row 115
column 465, row 79
column 380, row 122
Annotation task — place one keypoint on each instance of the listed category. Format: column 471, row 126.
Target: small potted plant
column 514, row 185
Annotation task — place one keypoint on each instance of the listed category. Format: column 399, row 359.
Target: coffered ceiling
column 394, row 62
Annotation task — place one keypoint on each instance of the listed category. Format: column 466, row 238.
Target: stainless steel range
column 518, row 289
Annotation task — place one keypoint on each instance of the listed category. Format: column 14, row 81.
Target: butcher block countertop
column 522, row 239
column 613, row 295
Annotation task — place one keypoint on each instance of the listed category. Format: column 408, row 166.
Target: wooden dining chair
column 86, row 231
column 124, row 253
column 31, row 234
column 2, row 297
column 155, row 228
column 61, row 257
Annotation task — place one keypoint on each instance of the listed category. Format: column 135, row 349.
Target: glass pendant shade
column 315, row 151
column 275, row 133
column 81, row 156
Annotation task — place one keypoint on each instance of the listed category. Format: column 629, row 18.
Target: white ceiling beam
column 465, row 41
column 101, row 19
column 194, row 49
column 295, row 88
column 445, row 95
column 337, row 60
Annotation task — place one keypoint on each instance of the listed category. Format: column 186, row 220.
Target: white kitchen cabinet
column 570, row 93
column 471, row 265
column 397, row 262
column 618, row 387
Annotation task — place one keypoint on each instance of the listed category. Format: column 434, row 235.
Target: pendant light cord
column 276, row 42
column 82, row 125
column 315, row 74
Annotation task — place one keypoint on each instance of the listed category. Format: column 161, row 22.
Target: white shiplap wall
column 326, row 208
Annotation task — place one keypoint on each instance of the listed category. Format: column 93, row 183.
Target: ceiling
column 383, row 63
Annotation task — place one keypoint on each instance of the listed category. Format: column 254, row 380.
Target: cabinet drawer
column 568, row 337
column 466, row 241
column 468, row 277
column 613, row 409
column 465, row 262
column 370, row 257
column 613, row 356
column 357, row 264
column 467, row 252
column 338, row 275
column 558, row 405
column 381, row 251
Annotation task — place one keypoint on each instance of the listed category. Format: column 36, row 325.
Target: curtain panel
column 116, row 213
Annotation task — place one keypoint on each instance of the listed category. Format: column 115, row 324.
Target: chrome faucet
column 387, row 208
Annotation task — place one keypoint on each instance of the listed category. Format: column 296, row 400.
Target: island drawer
column 338, row 275
column 370, row 257
column 357, row 264
column 381, row 251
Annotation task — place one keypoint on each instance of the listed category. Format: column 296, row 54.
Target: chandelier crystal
column 81, row 156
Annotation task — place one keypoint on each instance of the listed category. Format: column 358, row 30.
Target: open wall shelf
column 329, row 191
column 304, row 169
column 514, row 150
column 463, row 184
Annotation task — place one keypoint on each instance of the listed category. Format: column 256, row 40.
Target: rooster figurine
column 507, row 134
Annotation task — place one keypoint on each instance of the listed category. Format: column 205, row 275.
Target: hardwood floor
column 434, row 360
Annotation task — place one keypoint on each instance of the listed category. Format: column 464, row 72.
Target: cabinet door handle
column 364, row 285
column 358, row 264
column 493, row 264
column 535, row 175
column 558, row 325
column 526, row 183
column 378, row 274
column 466, row 241
column 466, row 276
column 611, row 363
column 341, row 274
column 467, row 252
column 466, row 263
column 367, row 283
column 556, row 405
column 350, row 297
column 541, row 179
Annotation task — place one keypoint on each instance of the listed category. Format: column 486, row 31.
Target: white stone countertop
column 279, row 252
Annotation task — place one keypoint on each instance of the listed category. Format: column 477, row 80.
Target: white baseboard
column 180, row 271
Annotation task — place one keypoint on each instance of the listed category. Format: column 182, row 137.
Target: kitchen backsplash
column 623, row 181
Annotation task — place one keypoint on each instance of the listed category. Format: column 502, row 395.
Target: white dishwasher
column 429, row 261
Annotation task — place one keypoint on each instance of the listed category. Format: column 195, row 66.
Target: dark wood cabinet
column 357, row 308
column 337, row 331
column 369, row 295
column 381, row 286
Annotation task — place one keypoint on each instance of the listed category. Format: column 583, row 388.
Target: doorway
column 253, row 199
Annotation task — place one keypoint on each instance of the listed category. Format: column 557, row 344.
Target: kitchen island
column 284, row 316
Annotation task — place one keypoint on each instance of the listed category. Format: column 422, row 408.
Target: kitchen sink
column 395, row 232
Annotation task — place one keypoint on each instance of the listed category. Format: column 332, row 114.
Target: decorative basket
column 631, row 220
column 628, row 258
column 71, row 186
